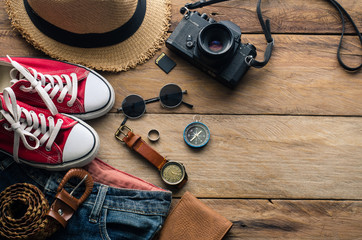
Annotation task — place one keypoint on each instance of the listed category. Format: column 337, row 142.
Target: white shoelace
column 29, row 127
column 71, row 86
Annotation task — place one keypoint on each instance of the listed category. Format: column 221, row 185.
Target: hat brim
column 137, row 49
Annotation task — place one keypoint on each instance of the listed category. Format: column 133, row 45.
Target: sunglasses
column 134, row 106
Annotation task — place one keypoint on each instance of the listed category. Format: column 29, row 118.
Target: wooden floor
column 285, row 156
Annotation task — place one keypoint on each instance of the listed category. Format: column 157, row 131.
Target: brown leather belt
column 25, row 212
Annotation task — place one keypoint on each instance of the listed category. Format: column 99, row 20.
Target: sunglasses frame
column 156, row 99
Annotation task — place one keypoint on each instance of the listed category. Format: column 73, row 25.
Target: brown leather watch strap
column 136, row 143
column 184, row 181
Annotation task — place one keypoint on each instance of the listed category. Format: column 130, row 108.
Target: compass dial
column 196, row 134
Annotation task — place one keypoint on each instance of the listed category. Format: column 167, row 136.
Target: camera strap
column 342, row 11
column 270, row 42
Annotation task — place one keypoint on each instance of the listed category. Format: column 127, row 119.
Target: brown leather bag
column 191, row 219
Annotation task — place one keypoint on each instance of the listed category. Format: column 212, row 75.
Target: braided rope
column 23, row 209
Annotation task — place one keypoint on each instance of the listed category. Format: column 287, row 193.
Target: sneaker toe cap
column 97, row 93
column 80, row 145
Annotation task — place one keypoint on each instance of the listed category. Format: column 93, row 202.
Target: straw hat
column 111, row 35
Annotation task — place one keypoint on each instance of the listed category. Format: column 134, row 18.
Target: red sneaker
column 51, row 142
column 60, row 86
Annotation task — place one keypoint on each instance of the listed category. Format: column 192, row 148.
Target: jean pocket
column 115, row 224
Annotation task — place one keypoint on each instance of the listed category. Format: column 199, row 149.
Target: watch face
column 172, row 173
column 196, row 134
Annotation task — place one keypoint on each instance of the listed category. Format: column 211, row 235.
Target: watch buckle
column 123, row 130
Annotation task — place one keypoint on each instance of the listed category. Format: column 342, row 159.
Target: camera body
column 214, row 47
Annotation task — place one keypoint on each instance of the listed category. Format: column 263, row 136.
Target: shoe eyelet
column 50, row 118
column 31, row 139
column 41, row 115
column 59, row 100
column 60, row 120
column 47, row 149
column 69, row 105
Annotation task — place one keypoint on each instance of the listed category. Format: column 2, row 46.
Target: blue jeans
column 125, row 207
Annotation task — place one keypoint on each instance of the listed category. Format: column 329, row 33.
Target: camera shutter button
column 189, row 41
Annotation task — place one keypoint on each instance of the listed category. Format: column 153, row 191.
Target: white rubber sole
column 72, row 164
column 102, row 111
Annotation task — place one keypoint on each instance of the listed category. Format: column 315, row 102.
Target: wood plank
column 289, row 219
column 303, row 77
column 250, row 156
column 263, row 155
column 292, row 16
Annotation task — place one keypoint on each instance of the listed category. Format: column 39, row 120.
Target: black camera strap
column 342, row 11
column 266, row 29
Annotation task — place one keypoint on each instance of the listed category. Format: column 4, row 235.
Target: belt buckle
column 123, row 130
column 65, row 204
column 84, row 176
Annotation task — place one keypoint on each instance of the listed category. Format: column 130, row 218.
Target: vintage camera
column 214, row 47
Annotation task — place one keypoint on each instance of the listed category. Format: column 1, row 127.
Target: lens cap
column 171, row 95
column 133, row 106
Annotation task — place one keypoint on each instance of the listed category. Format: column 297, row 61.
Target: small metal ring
column 249, row 59
column 197, row 118
column 153, row 135
column 187, row 11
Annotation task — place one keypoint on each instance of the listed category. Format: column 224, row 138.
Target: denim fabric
column 108, row 213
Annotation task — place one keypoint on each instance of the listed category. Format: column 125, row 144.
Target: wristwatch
column 172, row 173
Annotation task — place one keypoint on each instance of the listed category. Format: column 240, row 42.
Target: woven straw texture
column 23, row 209
column 137, row 49
column 74, row 15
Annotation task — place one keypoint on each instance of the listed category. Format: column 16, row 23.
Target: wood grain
column 292, row 16
column 303, row 77
column 284, row 160
column 288, row 219
column 296, row 81
column 250, row 156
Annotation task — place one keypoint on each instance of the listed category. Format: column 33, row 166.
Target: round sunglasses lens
column 171, row 95
column 133, row 106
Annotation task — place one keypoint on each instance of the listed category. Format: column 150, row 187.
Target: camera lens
column 215, row 43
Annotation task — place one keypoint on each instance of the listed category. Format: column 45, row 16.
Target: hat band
column 89, row 40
